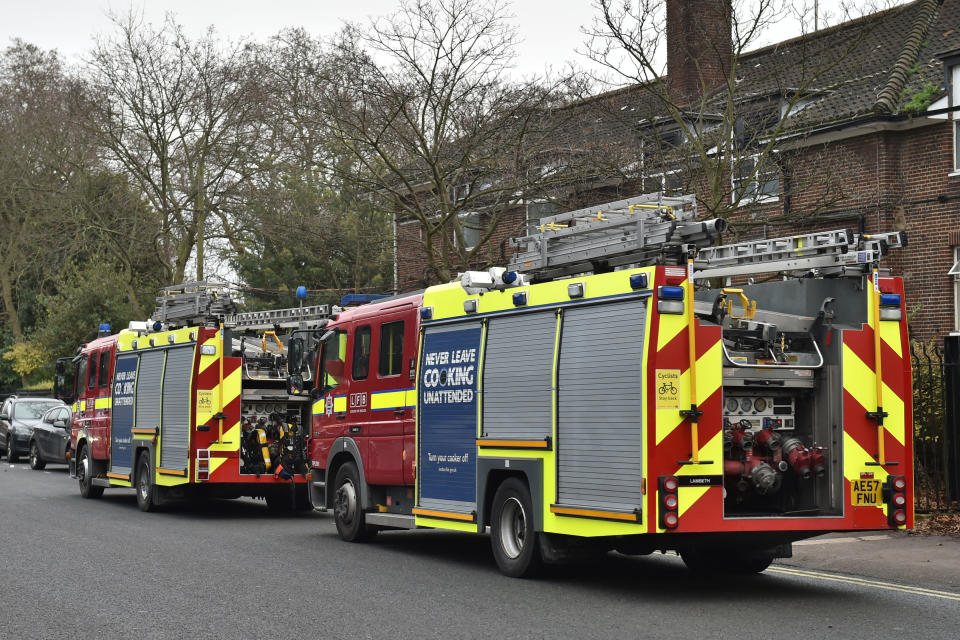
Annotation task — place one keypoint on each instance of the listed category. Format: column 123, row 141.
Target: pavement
column 898, row 556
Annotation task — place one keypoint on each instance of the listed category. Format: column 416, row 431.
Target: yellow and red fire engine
column 613, row 390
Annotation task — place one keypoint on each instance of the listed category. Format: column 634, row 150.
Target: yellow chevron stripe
column 670, row 326
column 209, row 361
column 712, row 451
column 230, row 442
column 688, row 496
column 709, row 379
column 855, row 460
column 890, row 333
column 861, row 381
column 215, row 464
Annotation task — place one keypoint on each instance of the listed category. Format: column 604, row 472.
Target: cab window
column 104, row 368
column 92, row 382
column 391, row 349
column 361, row 353
column 331, row 372
column 81, row 376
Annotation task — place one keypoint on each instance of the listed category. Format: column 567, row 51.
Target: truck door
column 377, row 401
column 330, row 410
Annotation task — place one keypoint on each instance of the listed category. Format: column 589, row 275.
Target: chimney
column 699, row 47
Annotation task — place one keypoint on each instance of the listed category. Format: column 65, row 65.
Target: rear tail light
column 894, row 494
column 203, row 464
column 669, row 502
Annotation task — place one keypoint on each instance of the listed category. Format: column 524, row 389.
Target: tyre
column 11, row 450
column 515, row 543
column 36, row 462
column 146, row 489
column 347, row 510
column 85, row 475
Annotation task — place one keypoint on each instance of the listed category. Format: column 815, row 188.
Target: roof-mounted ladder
column 204, row 302
column 657, row 229
column 647, row 229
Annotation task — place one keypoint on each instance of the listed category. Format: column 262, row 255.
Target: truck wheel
column 11, row 451
column 512, row 536
column 347, row 510
column 36, row 462
column 85, row 476
column 146, row 489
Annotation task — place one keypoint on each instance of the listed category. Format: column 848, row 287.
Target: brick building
column 869, row 143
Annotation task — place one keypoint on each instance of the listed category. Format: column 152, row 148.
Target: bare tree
column 438, row 131
column 177, row 118
column 723, row 126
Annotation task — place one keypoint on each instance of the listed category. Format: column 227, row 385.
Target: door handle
column 398, row 412
column 341, row 416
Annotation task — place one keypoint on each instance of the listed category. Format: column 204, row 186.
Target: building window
column 537, row 210
column 955, row 272
column 955, row 102
column 390, row 361
column 761, row 185
column 667, row 182
column 470, row 226
column 361, row 353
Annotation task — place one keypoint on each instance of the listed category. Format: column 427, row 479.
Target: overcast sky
column 550, row 29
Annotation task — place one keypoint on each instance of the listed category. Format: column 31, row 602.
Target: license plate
column 866, row 493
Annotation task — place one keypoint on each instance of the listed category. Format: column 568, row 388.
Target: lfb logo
column 328, row 405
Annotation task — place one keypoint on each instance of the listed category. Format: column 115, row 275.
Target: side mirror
column 295, row 357
column 60, row 423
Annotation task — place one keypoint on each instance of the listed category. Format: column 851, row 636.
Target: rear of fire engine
column 193, row 403
column 607, row 393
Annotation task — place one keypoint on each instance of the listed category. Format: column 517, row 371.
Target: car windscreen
column 31, row 410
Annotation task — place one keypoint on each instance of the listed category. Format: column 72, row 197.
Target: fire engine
column 191, row 403
column 626, row 384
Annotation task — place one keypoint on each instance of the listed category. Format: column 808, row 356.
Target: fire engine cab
column 626, row 385
column 192, row 403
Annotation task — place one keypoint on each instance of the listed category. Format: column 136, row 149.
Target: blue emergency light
column 104, row 327
column 354, row 299
column 671, row 293
column 520, row 298
column 301, row 293
column 509, row 277
column 638, row 281
column 426, row 313
column 890, row 299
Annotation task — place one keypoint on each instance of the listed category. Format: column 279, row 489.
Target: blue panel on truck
column 448, row 416
column 121, row 423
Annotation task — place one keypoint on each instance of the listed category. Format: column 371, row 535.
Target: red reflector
column 671, row 484
column 899, row 483
column 670, row 501
column 899, row 500
column 671, row 520
column 900, row 517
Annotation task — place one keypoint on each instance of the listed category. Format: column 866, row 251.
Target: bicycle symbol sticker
column 668, row 388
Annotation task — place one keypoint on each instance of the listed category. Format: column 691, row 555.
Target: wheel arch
column 345, row 450
column 492, row 472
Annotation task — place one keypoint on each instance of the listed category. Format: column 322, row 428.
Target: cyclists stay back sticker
column 668, row 388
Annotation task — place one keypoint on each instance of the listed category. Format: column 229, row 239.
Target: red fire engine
column 191, row 403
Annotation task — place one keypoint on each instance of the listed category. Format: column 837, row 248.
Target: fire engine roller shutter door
column 175, row 427
column 149, row 377
column 447, row 417
column 600, row 417
column 517, row 393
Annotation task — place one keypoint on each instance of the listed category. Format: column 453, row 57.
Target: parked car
column 18, row 417
column 51, row 438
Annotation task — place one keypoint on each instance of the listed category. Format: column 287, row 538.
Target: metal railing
column 931, row 435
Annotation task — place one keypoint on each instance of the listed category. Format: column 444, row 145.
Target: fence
column 936, row 382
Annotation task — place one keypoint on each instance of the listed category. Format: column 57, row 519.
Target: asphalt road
column 102, row 569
